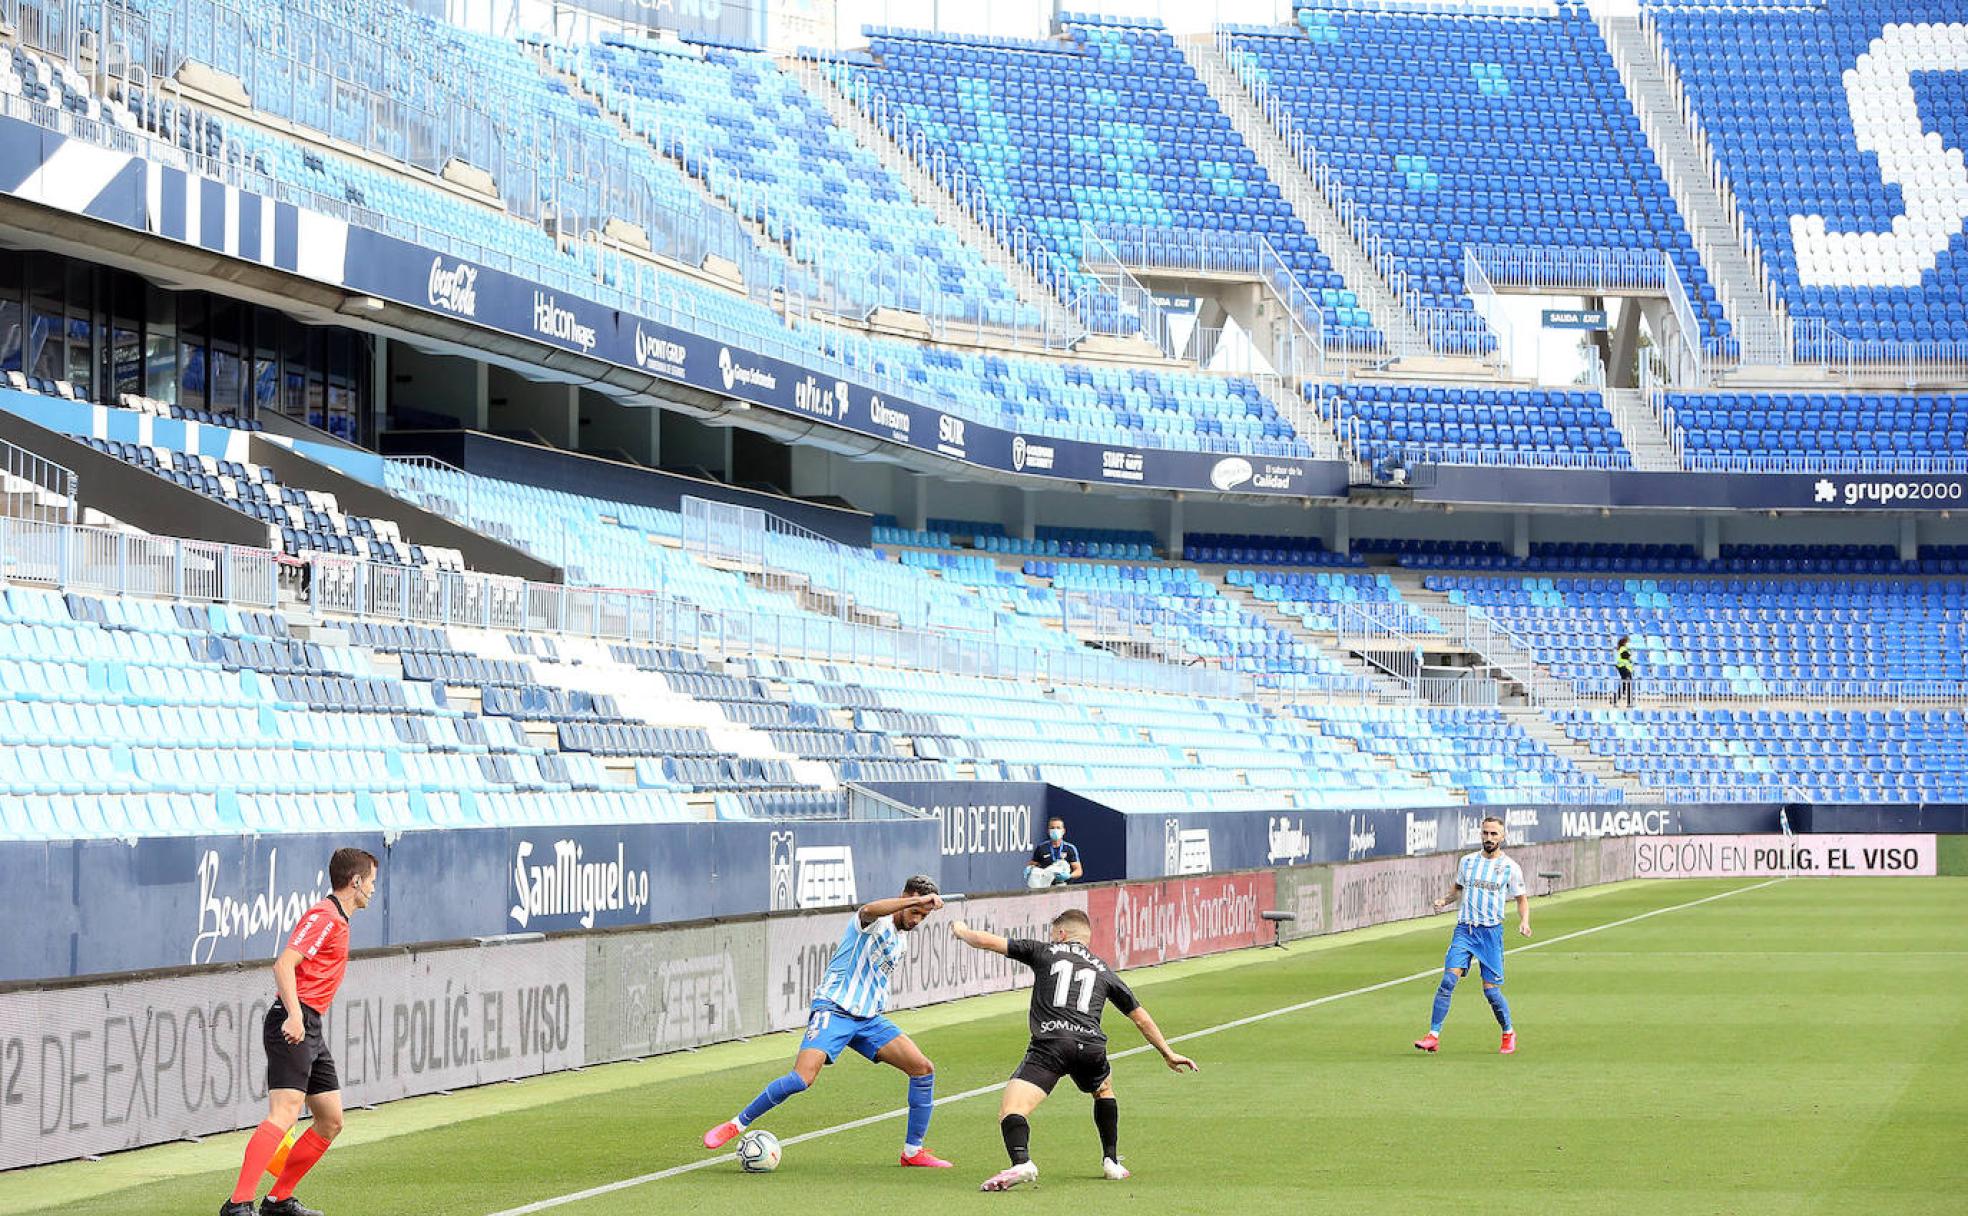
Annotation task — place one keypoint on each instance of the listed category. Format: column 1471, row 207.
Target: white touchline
column 608, row 1188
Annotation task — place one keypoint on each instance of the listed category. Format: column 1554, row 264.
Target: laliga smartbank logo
column 809, row 876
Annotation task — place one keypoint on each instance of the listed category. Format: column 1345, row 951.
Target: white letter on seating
column 1930, row 175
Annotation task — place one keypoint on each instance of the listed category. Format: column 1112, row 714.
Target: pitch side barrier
column 99, row 906
column 115, row 906
column 986, row 830
column 96, row 1065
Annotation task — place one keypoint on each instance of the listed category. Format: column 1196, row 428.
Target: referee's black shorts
column 305, row 1065
column 1053, row 1057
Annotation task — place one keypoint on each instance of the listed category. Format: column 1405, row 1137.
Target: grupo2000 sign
column 1827, row 856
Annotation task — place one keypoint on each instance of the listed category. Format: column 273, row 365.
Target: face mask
column 1057, row 833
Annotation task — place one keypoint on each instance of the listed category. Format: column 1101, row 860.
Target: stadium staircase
column 715, row 267
column 1317, row 432
column 925, row 189
column 1311, row 206
column 1513, row 667
column 1388, row 689
column 1510, row 663
column 1692, row 175
column 1422, row 777
column 1539, row 725
column 1652, row 451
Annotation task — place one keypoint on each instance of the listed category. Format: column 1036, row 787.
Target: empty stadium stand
column 1105, row 125
column 1831, row 121
column 1244, row 665
column 1461, row 128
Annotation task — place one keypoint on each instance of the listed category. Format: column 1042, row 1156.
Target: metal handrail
column 1443, row 330
column 1570, row 271
column 1246, row 255
column 864, row 803
column 36, row 488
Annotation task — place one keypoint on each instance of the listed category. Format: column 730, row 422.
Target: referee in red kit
column 299, row 1068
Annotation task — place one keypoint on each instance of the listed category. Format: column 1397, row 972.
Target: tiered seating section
column 164, row 409
column 1735, row 637
column 1321, row 601
column 1451, row 130
column 1603, row 557
column 1480, row 750
column 1096, row 403
column 137, row 717
column 1176, row 609
column 1106, row 125
column 1039, row 397
column 1239, row 549
column 126, row 717
column 33, row 78
column 1823, row 430
column 1490, row 426
column 1850, row 206
column 1864, row 756
column 299, row 522
column 402, row 727
column 397, row 726
column 626, row 545
column 1131, row 752
column 751, row 132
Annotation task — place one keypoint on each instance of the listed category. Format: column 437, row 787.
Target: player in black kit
column 1070, row 987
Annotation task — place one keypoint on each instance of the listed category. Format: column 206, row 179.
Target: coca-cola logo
column 455, row 289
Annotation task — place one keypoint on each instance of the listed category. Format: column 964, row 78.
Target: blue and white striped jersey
column 1488, row 885
column 857, row 975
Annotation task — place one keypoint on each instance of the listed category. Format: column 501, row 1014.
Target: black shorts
column 305, row 1065
column 1048, row 1059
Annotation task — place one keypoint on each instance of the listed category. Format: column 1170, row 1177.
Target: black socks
column 1107, row 1117
column 1017, row 1138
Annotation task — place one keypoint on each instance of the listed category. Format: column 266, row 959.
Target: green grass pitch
column 1791, row 1048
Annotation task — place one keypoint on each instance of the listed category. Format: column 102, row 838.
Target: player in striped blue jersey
column 1485, row 883
column 847, row 1012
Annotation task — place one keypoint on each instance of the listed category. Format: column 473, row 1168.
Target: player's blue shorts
column 1484, row 943
column 832, row 1029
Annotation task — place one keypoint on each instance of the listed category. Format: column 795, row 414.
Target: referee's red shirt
column 322, row 941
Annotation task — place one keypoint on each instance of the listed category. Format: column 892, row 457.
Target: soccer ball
column 758, row 1152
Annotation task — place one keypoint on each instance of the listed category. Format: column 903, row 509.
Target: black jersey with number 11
column 1070, row 986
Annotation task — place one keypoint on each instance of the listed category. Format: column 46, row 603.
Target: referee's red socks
column 300, row 1159
column 259, row 1150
